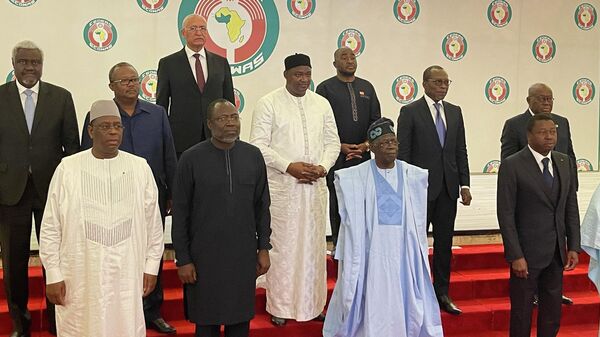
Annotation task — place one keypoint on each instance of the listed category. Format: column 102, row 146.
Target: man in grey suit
column 188, row 81
column 38, row 127
column 539, row 221
column 431, row 135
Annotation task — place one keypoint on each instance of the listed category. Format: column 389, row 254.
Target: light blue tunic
column 383, row 288
column 590, row 238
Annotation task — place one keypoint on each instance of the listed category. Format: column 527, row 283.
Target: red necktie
column 199, row 73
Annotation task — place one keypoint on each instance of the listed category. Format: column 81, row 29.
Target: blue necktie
column 439, row 125
column 548, row 179
column 29, row 109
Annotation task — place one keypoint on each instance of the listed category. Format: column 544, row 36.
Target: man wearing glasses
column 431, row 135
column 188, row 81
column 146, row 134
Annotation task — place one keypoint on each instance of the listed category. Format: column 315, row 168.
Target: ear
column 209, row 124
column 89, row 131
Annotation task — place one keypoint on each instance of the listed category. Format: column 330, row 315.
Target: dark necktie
column 439, row 124
column 199, row 73
column 548, row 179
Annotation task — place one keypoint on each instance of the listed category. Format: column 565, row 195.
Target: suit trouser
column 154, row 300
column 334, row 212
column 233, row 330
column 547, row 282
column 441, row 213
column 15, row 236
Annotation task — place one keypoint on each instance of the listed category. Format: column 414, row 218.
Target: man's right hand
column 302, row 171
column 187, row 273
column 56, row 292
column 519, row 267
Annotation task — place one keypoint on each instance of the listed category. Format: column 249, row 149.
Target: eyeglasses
column 229, row 118
column 544, row 98
column 127, row 81
column 201, row 29
column 389, row 142
column 106, row 127
column 439, row 83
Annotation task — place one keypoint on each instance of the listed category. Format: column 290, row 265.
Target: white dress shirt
column 34, row 95
column 538, row 158
column 192, row 60
column 430, row 104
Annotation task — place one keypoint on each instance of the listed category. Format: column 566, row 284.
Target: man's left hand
column 263, row 262
column 572, row 260
column 465, row 195
column 149, row 284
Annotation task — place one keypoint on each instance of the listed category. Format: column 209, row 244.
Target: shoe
column 320, row 318
column 536, row 301
column 566, row 300
column 161, row 326
column 278, row 322
column 20, row 334
column 448, row 306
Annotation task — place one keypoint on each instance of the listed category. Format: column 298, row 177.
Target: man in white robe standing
column 296, row 132
column 590, row 238
column 383, row 287
column 101, row 237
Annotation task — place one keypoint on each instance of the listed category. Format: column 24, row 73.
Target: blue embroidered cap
column 379, row 128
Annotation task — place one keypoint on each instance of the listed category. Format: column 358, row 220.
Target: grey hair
column 26, row 45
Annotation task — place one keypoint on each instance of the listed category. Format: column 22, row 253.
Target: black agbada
column 220, row 219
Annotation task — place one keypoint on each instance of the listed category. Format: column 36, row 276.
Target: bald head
column 345, row 63
column 540, row 99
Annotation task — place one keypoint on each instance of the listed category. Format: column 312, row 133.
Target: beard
column 347, row 73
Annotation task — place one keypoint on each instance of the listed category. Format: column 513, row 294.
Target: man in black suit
column 38, row 127
column 188, row 81
column 431, row 135
column 539, row 221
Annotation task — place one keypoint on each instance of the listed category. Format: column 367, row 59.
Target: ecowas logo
column 148, row 85
column 585, row 16
column 301, row 9
column 10, row 76
column 100, row 34
column 544, row 49
column 239, row 100
column 583, row 91
column 584, row 165
column 454, row 46
column 352, row 39
column 404, row 89
column 497, row 90
column 492, row 166
column 406, row 11
column 152, row 6
column 243, row 31
column 499, row 13
column 23, row 3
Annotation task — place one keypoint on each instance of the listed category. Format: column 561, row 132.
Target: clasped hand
column 306, row 173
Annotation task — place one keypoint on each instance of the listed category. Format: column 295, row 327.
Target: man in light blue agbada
column 383, row 287
column 590, row 238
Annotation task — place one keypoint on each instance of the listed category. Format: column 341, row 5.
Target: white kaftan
column 290, row 129
column 590, row 238
column 100, row 233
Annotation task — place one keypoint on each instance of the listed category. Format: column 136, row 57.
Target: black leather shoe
column 320, row 318
column 278, row 322
column 161, row 326
column 20, row 334
column 536, row 301
column 448, row 306
column 566, row 300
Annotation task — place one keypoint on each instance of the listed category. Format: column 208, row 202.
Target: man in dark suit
column 431, row 135
column 38, row 127
column 188, row 81
column 539, row 221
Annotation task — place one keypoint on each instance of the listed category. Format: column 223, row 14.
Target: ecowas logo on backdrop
column 404, row 89
column 583, row 91
column 301, row 9
column 148, row 85
column 23, row 3
column 584, row 165
column 497, row 90
column 352, row 39
column 544, row 49
column 243, row 31
column 492, row 166
column 10, row 76
column 499, row 13
column 585, row 16
column 239, row 100
column 406, row 11
column 100, row 34
column 152, row 6
column 454, row 46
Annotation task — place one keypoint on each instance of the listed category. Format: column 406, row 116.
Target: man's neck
column 345, row 78
column 221, row 145
column 384, row 164
column 104, row 155
column 128, row 105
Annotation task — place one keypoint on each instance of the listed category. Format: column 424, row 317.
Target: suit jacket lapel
column 451, row 121
column 16, row 108
column 43, row 99
column 533, row 169
column 427, row 120
column 563, row 169
column 183, row 59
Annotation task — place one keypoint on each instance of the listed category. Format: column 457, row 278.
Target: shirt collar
column 190, row 53
column 538, row 156
column 138, row 109
column 21, row 88
column 430, row 102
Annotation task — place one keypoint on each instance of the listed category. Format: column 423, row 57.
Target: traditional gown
column 383, row 287
column 289, row 129
column 590, row 238
column 100, row 233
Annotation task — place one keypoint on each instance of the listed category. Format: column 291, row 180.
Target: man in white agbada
column 101, row 236
column 296, row 132
column 383, row 287
column 590, row 238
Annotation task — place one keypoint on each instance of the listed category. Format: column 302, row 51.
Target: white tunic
column 590, row 238
column 290, row 129
column 100, row 233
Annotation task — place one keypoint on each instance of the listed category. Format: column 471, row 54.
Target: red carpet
column 479, row 287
